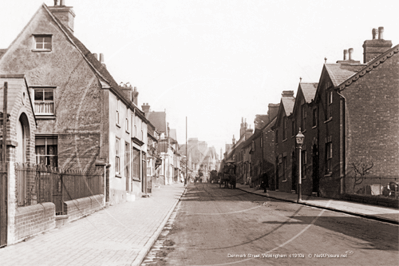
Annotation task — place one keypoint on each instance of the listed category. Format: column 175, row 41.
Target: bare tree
column 361, row 168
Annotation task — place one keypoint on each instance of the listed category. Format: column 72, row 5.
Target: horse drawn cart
column 228, row 175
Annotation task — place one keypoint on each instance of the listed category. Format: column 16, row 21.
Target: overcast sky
column 215, row 61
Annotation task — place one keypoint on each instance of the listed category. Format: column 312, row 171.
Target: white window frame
column 117, row 156
column 44, row 101
column 118, row 115
column 40, row 39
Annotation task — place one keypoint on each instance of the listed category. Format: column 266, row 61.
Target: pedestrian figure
column 264, row 182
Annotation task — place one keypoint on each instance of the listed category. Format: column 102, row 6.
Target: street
column 216, row 226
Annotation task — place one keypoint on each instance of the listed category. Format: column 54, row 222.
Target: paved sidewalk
column 369, row 211
column 118, row 235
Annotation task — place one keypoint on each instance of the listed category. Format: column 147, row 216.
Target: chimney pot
column 380, row 33
column 345, row 53
column 62, row 3
column 375, row 47
column 350, row 51
column 374, row 33
column 55, row 2
column 101, row 58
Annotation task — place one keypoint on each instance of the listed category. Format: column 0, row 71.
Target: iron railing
column 41, row 183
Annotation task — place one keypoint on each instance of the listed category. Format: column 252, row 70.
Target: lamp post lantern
column 299, row 140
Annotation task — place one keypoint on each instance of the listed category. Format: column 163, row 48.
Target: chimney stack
column 375, row 47
column 135, row 95
column 345, row 53
column 146, row 108
column 64, row 14
column 287, row 94
column 273, row 110
column 101, row 59
column 95, row 55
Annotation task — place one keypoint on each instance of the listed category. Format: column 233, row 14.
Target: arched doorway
column 22, row 139
column 22, row 128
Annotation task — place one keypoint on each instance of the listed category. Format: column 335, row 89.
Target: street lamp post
column 299, row 140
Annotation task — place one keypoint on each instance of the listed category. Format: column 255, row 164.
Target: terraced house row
column 68, row 113
column 350, row 122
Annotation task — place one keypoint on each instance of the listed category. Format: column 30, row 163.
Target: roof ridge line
column 369, row 67
column 73, row 43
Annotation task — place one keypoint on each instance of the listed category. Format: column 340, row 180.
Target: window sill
column 284, row 140
column 118, row 175
column 41, row 50
column 45, row 116
column 118, row 125
column 127, row 132
column 328, row 175
column 328, row 120
column 135, row 179
column 304, row 131
column 284, row 181
column 314, row 127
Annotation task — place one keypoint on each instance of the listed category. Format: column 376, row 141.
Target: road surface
column 214, row 226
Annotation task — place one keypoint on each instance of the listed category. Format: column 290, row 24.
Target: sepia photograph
column 199, row 132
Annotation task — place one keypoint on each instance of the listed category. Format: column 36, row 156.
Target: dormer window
column 43, row 43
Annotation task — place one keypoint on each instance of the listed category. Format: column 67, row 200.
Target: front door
column 315, row 174
column 294, row 175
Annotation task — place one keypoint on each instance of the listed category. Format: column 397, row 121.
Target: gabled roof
column 2, row 51
column 98, row 68
column 340, row 72
column 369, row 67
column 288, row 104
column 308, row 90
column 286, row 107
column 158, row 119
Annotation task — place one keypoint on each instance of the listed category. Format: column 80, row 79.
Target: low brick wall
column 78, row 208
column 374, row 200
column 32, row 220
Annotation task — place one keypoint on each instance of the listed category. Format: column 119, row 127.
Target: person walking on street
column 264, row 182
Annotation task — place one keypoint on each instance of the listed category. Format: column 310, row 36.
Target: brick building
column 304, row 118
column 167, row 145
column 349, row 120
column 268, row 146
column 82, row 113
column 369, row 111
column 284, row 137
column 20, row 143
